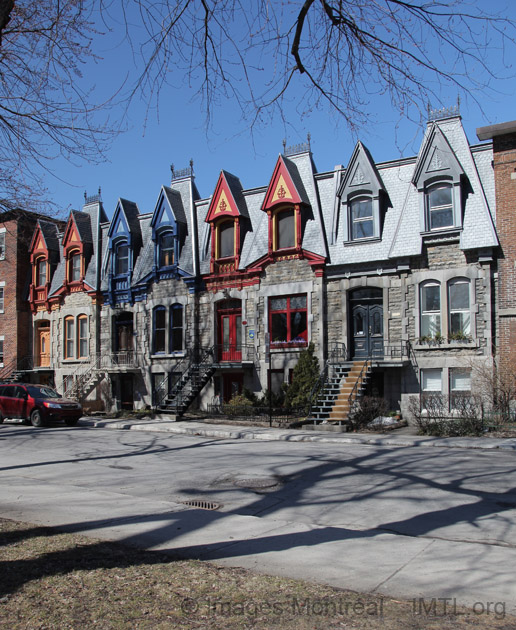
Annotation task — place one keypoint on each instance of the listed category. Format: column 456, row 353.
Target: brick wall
column 15, row 321
column 504, row 151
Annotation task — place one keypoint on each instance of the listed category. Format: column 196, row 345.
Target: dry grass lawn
column 51, row 580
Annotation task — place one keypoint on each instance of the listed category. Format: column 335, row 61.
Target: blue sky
column 139, row 159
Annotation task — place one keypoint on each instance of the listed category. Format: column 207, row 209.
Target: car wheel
column 71, row 422
column 36, row 419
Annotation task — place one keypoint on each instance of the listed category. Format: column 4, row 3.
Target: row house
column 389, row 266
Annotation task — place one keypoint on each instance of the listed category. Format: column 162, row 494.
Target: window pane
column 298, row 301
column 362, row 229
column 176, row 323
column 431, row 298
column 122, row 259
column 159, row 330
column 41, row 273
column 286, row 229
column 166, row 250
column 298, row 330
column 440, row 196
column 362, row 208
column 278, row 304
column 2, row 245
column 430, row 325
column 279, row 327
column 440, row 207
column 2, row 299
column 460, row 380
column 75, row 268
column 459, row 296
column 227, row 240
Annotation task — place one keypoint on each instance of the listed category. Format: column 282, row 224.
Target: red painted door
column 230, row 335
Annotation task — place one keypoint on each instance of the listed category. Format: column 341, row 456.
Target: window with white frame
column 459, row 325
column 439, row 200
column 2, row 243
column 432, row 380
column 460, row 386
column 361, row 218
column 430, row 309
column 76, row 336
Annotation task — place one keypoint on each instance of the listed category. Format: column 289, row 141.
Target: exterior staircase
column 351, row 389
column 16, row 370
column 342, row 388
column 189, row 385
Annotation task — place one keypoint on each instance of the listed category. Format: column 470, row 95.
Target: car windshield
column 42, row 392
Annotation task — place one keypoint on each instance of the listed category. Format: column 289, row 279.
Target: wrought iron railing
column 186, row 374
column 352, row 398
column 16, row 364
column 233, row 353
column 337, row 354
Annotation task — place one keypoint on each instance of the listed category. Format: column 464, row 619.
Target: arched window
column 69, row 338
column 285, row 229
column 459, row 322
column 430, row 309
column 82, row 336
column 226, row 239
column 166, row 249
column 159, row 331
column 74, row 267
column 122, row 259
column 439, row 201
column 361, row 218
column 176, row 327
column 41, row 272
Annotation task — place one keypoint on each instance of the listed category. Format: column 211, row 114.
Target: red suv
column 37, row 404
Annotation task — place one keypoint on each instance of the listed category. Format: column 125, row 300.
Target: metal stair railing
column 190, row 379
column 15, row 365
column 353, row 397
column 80, row 377
column 337, row 355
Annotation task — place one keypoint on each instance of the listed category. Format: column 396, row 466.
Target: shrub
column 304, row 378
column 366, row 410
column 433, row 415
column 239, row 405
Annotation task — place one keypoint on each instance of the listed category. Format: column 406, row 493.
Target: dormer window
column 226, row 240
column 361, row 218
column 122, row 259
column 74, row 267
column 440, row 207
column 166, row 249
column 285, row 229
column 41, row 272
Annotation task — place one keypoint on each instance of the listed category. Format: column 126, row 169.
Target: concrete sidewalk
column 226, row 432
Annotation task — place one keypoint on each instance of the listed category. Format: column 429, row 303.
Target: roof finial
column 284, row 144
column 85, row 195
column 308, row 138
column 191, row 165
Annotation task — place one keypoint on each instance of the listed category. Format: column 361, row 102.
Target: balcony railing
column 234, row 353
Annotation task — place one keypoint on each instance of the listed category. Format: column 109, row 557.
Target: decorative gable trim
column 281, row 188
column 223, row 202
column 361, row 180
column 436, row 160
column 438, row 165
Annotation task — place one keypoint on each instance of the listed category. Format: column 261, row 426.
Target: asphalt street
column 406, row 521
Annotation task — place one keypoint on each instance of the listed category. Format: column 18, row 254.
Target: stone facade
column 393, row 262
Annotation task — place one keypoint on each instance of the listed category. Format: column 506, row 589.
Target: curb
column 197, row 429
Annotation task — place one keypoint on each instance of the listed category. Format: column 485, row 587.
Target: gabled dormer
column 124, row 244
column 229, row 220
column 440, row 181
column 285, row 203
column 169, row 230
column 44, row 257
column 362, row 198
column 77, row 251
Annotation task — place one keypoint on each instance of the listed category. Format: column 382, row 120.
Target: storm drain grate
column 202, row 505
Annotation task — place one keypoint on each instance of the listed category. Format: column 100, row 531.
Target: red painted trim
column 280, row 170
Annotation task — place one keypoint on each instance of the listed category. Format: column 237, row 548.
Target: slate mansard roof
column 324, row 212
